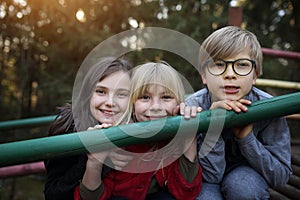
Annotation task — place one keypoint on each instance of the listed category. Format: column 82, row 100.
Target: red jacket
column 134, row 186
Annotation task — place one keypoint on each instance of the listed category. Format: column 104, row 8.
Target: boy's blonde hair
column 228, row 42
column 157, row 74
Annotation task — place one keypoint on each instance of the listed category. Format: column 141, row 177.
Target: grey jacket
column 266, row 149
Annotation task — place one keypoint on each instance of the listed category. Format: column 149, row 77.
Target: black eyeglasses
column 241, row 67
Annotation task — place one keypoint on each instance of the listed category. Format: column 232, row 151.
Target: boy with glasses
column 243, row 162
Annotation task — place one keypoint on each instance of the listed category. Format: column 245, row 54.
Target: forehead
column 119, row 79
column 242, row 54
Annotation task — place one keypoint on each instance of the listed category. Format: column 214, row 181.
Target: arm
column 188, row 163
column 267, row 149
column 91, row 186
column 211, row 146
column 211, row 155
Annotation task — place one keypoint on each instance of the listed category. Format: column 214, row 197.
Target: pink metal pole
column 281, row 53
column 235, row 17
column 22, row 170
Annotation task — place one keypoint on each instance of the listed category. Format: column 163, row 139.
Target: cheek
column 123, row 103
column 96, row 102
column 138, row 108
column 92, row 102
column 93, row 107
column 170, row 106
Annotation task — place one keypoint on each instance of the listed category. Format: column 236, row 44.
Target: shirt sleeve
column 211, row 157
column 103, row 192
column 269, row 152
column 188, row 169
column 87, row 194
column 210, row 145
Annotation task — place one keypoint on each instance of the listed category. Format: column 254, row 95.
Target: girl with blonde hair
column 156, row 92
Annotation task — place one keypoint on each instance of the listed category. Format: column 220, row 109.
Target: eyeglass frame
column 253, row 64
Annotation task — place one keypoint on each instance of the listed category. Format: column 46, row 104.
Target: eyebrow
column 104, row 87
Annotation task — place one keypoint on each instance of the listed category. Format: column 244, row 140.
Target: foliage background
column 42, row 45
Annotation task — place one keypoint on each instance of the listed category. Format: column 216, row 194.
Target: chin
column 232, row 98
column 108, row 121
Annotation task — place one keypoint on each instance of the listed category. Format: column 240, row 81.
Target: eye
column 145, row 97
column 100, row 91
column 244, row 63
column 167, row 97
column 123, row 94
column 219, row 64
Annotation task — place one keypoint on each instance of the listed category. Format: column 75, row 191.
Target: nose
column 229, row 73
column 110, row 100
column 156, row 104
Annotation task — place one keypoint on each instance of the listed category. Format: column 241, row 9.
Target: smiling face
column 110, row 97
column 156, row 102
column 229, row 85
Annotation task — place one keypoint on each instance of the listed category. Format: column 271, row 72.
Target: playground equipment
column 71, row 144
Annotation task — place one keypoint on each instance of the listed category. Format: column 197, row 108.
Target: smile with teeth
column 155, row 117
column 108, row 112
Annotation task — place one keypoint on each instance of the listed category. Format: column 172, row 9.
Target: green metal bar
column 76, row 143
column 30, row 122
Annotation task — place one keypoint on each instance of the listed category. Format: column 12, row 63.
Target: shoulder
column 199, row 98
column 257, row 94
column 198, row 94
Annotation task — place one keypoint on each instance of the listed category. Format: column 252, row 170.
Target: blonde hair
column 158, row 74
column 227, row 42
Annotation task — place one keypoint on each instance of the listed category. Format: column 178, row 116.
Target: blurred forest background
column 43, row 43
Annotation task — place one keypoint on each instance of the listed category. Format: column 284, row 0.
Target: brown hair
column 78, row 117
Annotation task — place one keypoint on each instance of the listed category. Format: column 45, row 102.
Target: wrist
column 92, row 177
column 94, row 164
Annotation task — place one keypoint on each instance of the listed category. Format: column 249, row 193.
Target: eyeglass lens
column 241, row 66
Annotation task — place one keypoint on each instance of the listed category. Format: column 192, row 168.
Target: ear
column 203, row 77
column 254, row 78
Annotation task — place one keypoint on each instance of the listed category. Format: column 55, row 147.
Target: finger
column 241, row 106
column 199, row 109
column 194, row 111
column 123, row 157
column 245, row 101
column 220, row 104
column 187, row 112
column 234, row 105
column 120, row 164
column 118, row 168
column 120, row 157
column 238, row 106
column 182, row 108
column 106, row 125
column 98, row 126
